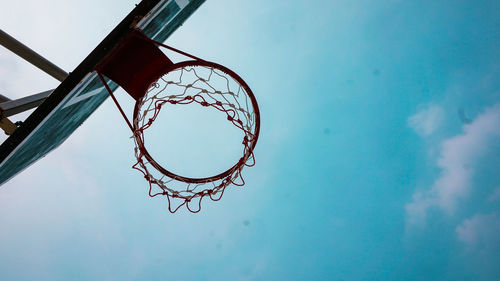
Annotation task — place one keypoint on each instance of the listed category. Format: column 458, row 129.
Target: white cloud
column 427, row 121
column 456, row 157
column 480, row 231
column 495, row 195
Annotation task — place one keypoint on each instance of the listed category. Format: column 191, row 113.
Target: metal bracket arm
column 31, row 56
column 11, row 107
column 7, row 126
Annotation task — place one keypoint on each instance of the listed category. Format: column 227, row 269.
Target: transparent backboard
column 81, row 93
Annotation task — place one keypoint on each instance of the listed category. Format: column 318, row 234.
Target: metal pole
column 3, row 98
column 31, row 56
column 13, row 107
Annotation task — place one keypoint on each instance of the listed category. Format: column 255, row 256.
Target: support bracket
column 11, row 107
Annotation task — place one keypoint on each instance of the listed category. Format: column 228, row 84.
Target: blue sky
column 377, row 158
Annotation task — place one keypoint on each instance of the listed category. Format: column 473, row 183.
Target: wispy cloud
column 427, row 121
column 457, row 156
column 495, row 195
column 480, row 231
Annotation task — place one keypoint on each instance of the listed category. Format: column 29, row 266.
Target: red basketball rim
column 251, row 146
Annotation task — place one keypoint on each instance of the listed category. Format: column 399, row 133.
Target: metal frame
column 13, row 107
column 4, row 99
column 31, row 56
column 10, row 107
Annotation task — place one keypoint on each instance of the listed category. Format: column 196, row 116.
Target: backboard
column 81, row 93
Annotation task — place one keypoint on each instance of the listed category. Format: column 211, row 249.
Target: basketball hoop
column 154, row 81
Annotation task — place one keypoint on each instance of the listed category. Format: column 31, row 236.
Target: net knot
column 204, row 103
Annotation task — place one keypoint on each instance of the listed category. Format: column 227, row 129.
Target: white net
column 213, row 87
